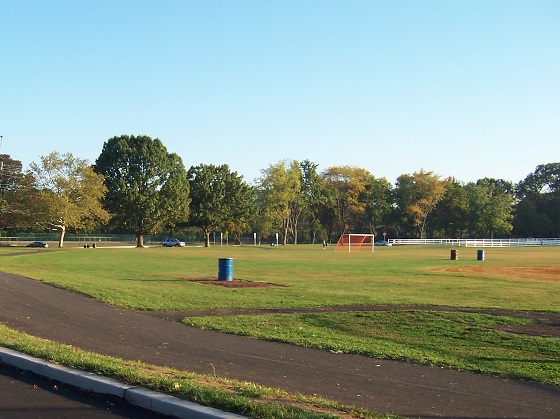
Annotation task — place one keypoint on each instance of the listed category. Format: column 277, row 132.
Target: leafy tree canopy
column 66, row 194
column 147, row 187
column 219, row 198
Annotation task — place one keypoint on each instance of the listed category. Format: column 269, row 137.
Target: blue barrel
column 480, row 255
column 225, row 269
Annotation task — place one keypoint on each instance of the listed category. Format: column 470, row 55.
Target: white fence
column 478, row 242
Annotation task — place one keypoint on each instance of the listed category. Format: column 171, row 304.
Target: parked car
column 383, row 243
column 172, row 243
column 38, row 244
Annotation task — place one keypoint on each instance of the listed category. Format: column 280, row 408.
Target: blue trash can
column 480, row 255
column 225, row 269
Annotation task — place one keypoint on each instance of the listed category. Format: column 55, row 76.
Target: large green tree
column 378, row 199
column 10, row 176
column 67, row 194
column 219, row 198
column 490, row 207
column 450, row 217
column 416, row 196
column 279, row 192
column 147, row 186
column 313, row 197
column 14, row 192
column 346, row 185
column 538, row 208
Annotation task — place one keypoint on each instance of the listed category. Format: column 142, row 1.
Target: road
column 25, row 395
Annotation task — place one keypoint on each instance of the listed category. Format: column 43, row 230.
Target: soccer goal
column 355, row 242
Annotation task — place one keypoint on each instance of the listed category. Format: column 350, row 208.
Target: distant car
column 38, row 244
column 172, row 243
column 383, row 243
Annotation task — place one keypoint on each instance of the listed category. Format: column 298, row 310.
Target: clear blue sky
column 462, row 88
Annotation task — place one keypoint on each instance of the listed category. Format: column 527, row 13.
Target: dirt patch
column 535, row 273
column 236, row 283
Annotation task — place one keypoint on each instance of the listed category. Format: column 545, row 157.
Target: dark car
column 38, row 244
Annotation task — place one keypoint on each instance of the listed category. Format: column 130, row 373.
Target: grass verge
column 229, row 395
column 461, row 341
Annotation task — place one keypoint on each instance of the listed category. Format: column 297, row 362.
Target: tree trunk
column 206, row 238
column 140, row 234
column 61, row 237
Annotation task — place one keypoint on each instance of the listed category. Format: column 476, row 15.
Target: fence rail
column 479, row 242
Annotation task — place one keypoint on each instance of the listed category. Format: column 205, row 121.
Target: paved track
column 385, row 386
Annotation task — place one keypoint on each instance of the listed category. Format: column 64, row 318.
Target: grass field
column 304, row 276
column 428, row 329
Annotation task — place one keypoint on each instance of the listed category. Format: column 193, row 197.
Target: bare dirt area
column 236, row 283
column 534, row 273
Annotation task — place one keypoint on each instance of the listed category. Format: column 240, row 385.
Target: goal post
column 354, row 242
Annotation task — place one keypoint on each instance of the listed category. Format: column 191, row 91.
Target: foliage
column 450, row 218
column 538, row 208
column 490, row 208
column 11, row 181
column 279, row 194
column 347, row 186
column 313, row 197
column 147, row 186
column 417, row 195
column 219, row 197
column 66, row 194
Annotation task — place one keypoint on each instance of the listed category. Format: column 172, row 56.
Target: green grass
column 229, row 395
column 307, row 276
column 463, row 341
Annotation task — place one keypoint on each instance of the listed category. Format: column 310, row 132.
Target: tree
column 417, row 195
column 378, row 199
column 313, row 196
column 279, row 194
column 12, row 180
column 450, row 217
column 490, row 207
column 10, row 177
column 68, row 194
column 347, row 185
column 219, row 198
column 538, row 208
column 147, row 187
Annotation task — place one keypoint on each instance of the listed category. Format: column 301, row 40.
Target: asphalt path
column 26, row 395
column 385, row 386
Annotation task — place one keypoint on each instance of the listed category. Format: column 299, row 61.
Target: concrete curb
column 137, row 396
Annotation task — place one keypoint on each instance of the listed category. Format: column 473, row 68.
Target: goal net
column 355, row 243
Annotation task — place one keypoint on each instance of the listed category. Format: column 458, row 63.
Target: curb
column 137, row 396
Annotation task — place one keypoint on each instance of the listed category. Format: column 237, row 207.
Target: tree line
column 136, row 185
